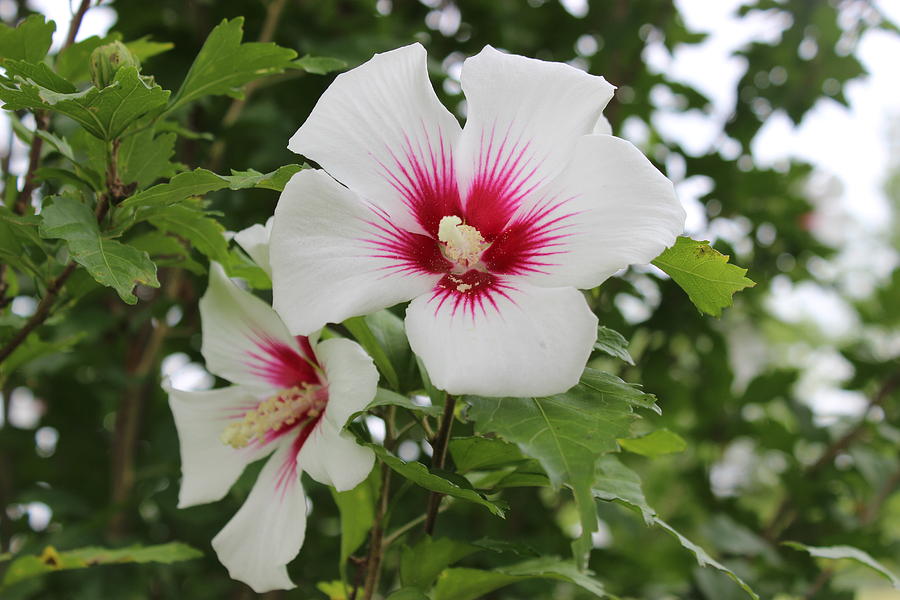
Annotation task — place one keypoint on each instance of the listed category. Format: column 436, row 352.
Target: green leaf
column 613, row 343
column 145, row 157
column 470, row 584
column 30, row 41
column 51, row 560
column 109, row 262
column 319, row 65
column 421, row 564
column 200, row 181
column 238, row 264
column 224, row 64
column 658, row 443
column 73, row 63
column 276, row 180
column 567, row 433
column 357, row 509
column 166, row 251
column 182, row 186
column 39, row 73
column 335, row 590
column 408, row 593
column 202, row 231
column 385, row 397
column 470, row 453
column 144, row 48
column 104, row 113
column 849, row 552
column 34, row 348
column 359, row 328
column 704, row 273
column 617, row 483
column 420, row 475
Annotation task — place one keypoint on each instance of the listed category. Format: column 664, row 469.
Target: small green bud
column 107, row 60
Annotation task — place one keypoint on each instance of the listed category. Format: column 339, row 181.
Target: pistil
column 463, row 244
column 285, row 409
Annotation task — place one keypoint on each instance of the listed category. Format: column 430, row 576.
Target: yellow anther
column 281, row 410
column 464, row 244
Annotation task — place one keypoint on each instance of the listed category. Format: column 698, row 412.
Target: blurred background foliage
column 88, row 451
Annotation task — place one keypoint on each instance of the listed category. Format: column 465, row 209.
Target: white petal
column 523, row 118
column 376, row 122
column 617, row 210
column 334, row 458
column 352, row 378
column 602, row 126
column 525, row 341
column 330, row 256
column 268, row 530
column 255, row 242
column 208, row 466
column 244, row 340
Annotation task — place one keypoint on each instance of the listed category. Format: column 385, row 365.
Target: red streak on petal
column 281, row 365
column 472, row 293
column 287, row 473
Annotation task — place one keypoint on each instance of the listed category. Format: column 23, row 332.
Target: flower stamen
column 463, row 244
column 285, row 409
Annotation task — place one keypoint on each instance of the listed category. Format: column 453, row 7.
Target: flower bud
column 108, row 59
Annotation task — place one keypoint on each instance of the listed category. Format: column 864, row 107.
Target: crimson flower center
column 299, row 405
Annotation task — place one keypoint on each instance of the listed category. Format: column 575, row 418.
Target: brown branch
column 376, row 547
column 785, row 514
column 373, row 562
column 41, row 314
column 439, row 457
column 143, row 356
column 76, row 23
column 42, row 120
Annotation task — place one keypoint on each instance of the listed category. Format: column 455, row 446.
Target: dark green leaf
column 30, row 41
column 144, row 158
column 384, row 397
column 421, row 564
column 849, row 552
column 319, row 65
column 566, row 433
column 104, row 113
column 224, row 64
column 704, row 273
column 613, row 343
column 166, row 251
column 202, row 231
column 144, row 48
column 182, row 186
column 470, row 453
column 39, row 73
column 470, row 584
column 658, row 443
column 420, row 475
column 50, row 560
column 73, row 63
column 359, row 328
column 408, row 593
column 617, row 483
column 109, row 262
column 357, row 508
column 276, row 180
